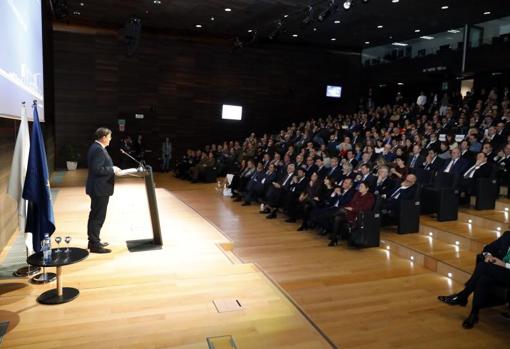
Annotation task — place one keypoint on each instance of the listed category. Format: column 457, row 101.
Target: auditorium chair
column 409, row 215
column 441, row 198
column 367, row 231
column 487, row 192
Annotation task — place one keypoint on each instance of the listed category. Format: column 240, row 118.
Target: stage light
column 82, row 4
column 337, row 22
column 314, row 29
column 417, row 30
column 333, row 39
column 249, row 30
column 294, row 35
column 285, row 16
column 212, row 19
column 395, row 1
column 76, row 13
column 425, row 37
column 400, row 83
column 367, row 42
column 347, row 4
column 157, row 2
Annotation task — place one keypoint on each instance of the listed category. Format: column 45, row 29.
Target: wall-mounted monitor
column 232, row 112
column 333, row 91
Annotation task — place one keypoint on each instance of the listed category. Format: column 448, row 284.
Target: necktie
column 413, row 161
column 470, row 172
column 396, row 193
column 286, row 179
column 450, row 166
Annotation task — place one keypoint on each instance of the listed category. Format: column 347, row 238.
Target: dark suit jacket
column 100, row 179
column 419, row 161
column 458, row 169
column 336, row 173
column 499, row 247
column 386, row 187
column 322, row 172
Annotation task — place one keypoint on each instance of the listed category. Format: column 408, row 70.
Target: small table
column 59, row 259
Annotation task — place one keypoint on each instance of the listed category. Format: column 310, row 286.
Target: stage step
column 446, row 259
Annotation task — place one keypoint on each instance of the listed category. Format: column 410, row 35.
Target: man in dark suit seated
column 255, row 185
column 277, row 191
column 321, row 170
column 503, row 167
column 335, row 170
column 416, row 159
column 493, row 270
column 468, row 182
column 297, row 187
column 390, row 208
column 100, row 183
column 384, row 185
column 365, row 175
column 310, row 166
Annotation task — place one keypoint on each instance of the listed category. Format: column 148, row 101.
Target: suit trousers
column 485, row 277
column 97, row 215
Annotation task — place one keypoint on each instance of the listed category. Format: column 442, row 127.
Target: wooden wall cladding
column 180, row 84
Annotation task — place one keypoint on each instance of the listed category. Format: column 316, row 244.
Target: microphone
column 141, row 168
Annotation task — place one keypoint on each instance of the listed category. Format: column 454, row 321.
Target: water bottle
column 46, row 248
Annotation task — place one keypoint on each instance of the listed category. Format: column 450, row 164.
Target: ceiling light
column 445, row 7
column 347, row 4
column 314, row 29
column 498, row 228
column 412, row 258
column 450, row 275
column 294, row 35
column 380, row 26
column 82, row 4
column 395, row 1
column 425, row 37
column 417, row 30
column 249, row 30
column 285, row 16
column 157, row 2
column 454, row 31
column 470, row 221
column 487, row 13
column 198, row 26
column 212, row 18
column 399, row 44
column 76, row 13
column 228, row 10
column 337, row 22
column 333, row 39
column 388, row 247
column 367, row 42
column 400, row 83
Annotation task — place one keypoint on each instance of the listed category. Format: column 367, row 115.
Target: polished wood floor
column 153, row 299
column 373, row 298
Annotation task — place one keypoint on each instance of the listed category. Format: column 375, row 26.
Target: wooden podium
column 156, row 242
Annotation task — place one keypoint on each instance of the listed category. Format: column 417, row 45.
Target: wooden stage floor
column 163, row 299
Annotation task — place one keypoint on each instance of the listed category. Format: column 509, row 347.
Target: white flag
column 19, row 172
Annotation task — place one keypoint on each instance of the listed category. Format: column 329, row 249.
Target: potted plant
column 71, row 156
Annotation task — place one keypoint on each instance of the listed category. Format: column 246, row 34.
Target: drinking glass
column 58, row 240
column 67, row 240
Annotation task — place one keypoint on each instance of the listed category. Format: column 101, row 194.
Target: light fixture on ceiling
column 337, row 22
column 295, row 35
column 367, row 42
column 400, row 83
column 347, row 4
column 76, row 13
column 249, row 30
column 426, row 37
column 333, row 39
column 228, row 10
column 487, row 13
column 82, row 4
column 403, row 44
column 314, row 29
column 212, row 19
column 453, row 31
column 395, row 1
column 445, row 7
column 417, row 30
column 380, row 26
column 198, row 26
column 285, row 16
column 157, row 2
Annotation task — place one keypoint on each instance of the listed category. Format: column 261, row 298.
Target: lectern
column 156, row 242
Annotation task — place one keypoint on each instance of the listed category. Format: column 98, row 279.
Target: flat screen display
column 21, row 57
column 333, row 91
column 232, row 112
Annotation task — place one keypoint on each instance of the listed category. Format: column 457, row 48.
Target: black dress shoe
column 323, row 232
column 99, row 249
column 454, row 299
column 302, row 227
column 290, row 220
column 470, row 321
column 333, row 242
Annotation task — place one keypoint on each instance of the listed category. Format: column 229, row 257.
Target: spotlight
column 347, row 4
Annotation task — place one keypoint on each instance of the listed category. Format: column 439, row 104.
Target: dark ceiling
column 357, row 26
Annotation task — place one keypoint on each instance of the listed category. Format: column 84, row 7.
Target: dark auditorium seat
column 368, row 228
column 487, row 191
column 409, row 215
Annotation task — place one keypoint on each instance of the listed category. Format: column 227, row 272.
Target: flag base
column 44, row 278
column 26, row 271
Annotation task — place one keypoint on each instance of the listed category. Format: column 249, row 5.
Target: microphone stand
column 132, row 158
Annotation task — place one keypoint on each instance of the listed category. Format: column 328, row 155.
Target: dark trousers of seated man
column 484, row 278
column 341, row 226
column 467, row 188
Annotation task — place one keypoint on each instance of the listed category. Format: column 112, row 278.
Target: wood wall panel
column 180, row 85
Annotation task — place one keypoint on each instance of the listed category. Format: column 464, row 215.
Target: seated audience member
column 310, row 167
column 277, row 192
column 390, row 208
column 335, row 170
column 468, row 182
column 493, row 270
column 416, row 159
column 255, row 186
column 502, row 162
column 362, row 201
column 205, row 164
column 323, row 217
column 240, row 180
column 291, row 200
column 457, row 165
column 384, row 185
column 315, row 196
column 322, row 170
column 399, row 171
column 365, row 175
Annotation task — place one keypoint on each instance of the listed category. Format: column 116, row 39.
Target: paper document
column 126, row 172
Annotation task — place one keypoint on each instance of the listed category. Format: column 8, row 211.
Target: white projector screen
column 21, row 57
column 333, row 91
column 232, row 112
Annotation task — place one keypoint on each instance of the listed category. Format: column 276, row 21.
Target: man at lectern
column 100, row 182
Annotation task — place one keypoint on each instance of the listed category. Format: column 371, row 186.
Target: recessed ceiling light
column 333, row 39
column 454, row 31
column 417, row 30
column 347, row 4
column 399, row 44
column 228, row 9
column 285, row 16
column 425, row 37
column 157, row 2
column 76, row 13
column 380, row 27
column 400, row 83
column 212, row 18
column 367, row 42
column 82, row 4
column 198, row 26
column 147, row 11
column 487, row 13
column 445, row 7
column 294, row 35
column 249, row 30
column 314, row 29
column 395, row 1
column 337, row 22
